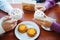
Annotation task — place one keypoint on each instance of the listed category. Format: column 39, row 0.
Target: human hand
column 9, row 24
column 44, row 22
column 40, row 7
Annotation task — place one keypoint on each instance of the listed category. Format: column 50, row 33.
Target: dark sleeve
column 55, row 27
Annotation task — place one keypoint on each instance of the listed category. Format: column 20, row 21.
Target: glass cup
column 28, row 5
column 16, row 13
column 41, row 16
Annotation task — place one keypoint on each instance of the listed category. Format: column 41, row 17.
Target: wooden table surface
column 28, row 16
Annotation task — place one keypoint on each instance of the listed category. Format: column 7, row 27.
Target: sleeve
column 55, row 27
column 49, row 3
column 1, row 28
column 5, row 6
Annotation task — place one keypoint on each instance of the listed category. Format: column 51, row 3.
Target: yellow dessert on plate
column 31, row 32
column 22, row 28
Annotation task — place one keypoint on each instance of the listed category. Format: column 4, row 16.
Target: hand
column 42, row 8
column 45, row 22
column 9, row 24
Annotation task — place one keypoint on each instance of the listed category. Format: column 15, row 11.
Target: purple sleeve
column 55, row 27
column 49, row 3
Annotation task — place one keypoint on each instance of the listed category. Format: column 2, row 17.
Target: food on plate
column 31, row 32
column 22, row 28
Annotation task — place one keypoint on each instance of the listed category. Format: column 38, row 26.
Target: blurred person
column 47, row 4
column 53, row 25
column 6, row 26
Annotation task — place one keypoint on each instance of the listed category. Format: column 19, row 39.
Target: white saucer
column 24, row 36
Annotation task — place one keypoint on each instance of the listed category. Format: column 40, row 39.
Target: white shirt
column 1, row 28
column 6, row 7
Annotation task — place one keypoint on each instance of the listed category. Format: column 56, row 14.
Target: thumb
column 12, row 21
column 6, row 19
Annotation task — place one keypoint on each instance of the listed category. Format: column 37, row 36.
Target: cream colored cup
column 16, row 13
column 29, row 5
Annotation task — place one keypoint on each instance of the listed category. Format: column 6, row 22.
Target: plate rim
column 29, row 22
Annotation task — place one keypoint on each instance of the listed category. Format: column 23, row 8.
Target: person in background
column 53, row 25
column 47, row 4
column 6, row 26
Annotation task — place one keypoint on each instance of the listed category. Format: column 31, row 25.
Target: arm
column 7, row 24
column 49, row 3
column 47, row 23
column 55, row 27
column 5, row 6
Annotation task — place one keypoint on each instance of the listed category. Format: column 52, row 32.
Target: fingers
column 41, row 20
column 13, row 22
column 42, row 8
column 38, row 21
column 6, row 18
column 10, row 20
column 11, row 25
column 37, row 8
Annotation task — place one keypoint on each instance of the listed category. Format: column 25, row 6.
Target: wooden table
column 28, row 16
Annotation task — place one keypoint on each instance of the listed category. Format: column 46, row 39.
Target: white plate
column 24, row 36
